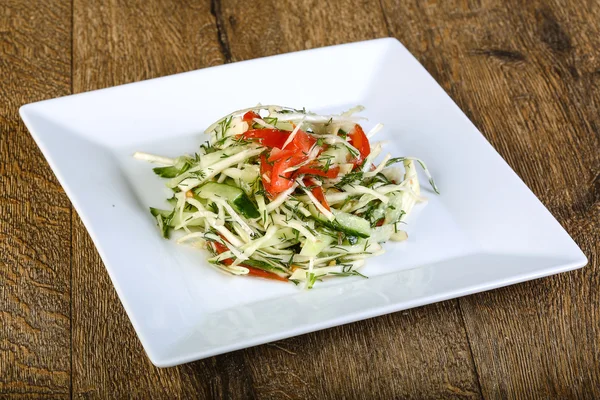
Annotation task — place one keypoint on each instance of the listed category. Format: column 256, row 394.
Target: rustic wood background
column 527, row 73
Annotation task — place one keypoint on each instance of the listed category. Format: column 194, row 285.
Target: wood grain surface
column 530, row 81
column 526, row 73
column 35, row 214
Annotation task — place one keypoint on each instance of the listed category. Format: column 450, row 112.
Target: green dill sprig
column 349, row 273
column 208, row 148
column 352, row 151
column 395, row 160
column 200, row 174
column 224, row 126
column 349, row 179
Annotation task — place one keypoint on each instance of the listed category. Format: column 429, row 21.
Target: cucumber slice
column 175, row 221
column 234, row 195
column 351, row 224
column 383, row 233
column 312, row 249
column 171, row 218
column 338, row 154
column 344, row 222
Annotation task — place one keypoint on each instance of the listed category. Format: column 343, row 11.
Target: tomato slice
column 319, row 195
column 281, row 181
column 317, row 191
column 267, row 137
column 359, row 140
column 294, row 153
column 298, row 148
column 249, row 116
column 221, row 248
column 263, row 274
column 311, row 169
column 303, row 142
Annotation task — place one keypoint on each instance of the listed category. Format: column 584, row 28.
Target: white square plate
column 484, row 231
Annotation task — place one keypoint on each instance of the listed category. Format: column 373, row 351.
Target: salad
column 289, row 195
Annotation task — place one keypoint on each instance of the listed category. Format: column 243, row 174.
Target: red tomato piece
column 249, row 116
column 220, row 248
column 294, row 153
column 303, row 142
column 281, row 181
column 319, row 195
column 263, row 274
column 359, row 140
column 311, row 169
column 317, row 191
column 267, row 137
column 277, row 154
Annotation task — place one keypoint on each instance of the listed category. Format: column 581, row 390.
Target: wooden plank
column 35, row 234
column 527, row 74
column 420, row 353
column 262, row 28
column 116, row 43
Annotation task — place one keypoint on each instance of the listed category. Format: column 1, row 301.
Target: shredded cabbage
column 287, row 194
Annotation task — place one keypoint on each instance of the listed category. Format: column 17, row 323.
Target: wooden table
column 527, row 73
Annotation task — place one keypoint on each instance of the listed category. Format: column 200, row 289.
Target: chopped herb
column 224, row 126
column 327, row 165
column 352, row 151
column 349, row 273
